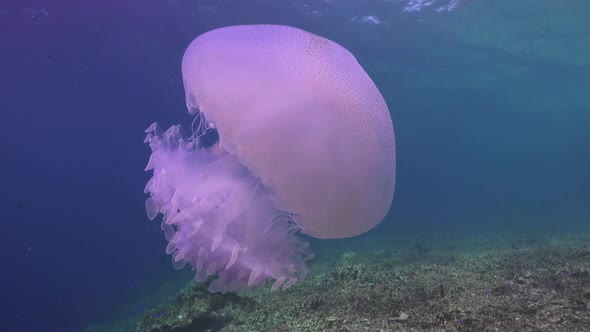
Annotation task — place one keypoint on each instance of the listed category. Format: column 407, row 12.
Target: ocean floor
column 489, row 283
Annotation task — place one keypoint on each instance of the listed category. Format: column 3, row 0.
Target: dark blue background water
column 491, row 135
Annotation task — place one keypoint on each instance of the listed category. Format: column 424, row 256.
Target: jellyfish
column 305, row 147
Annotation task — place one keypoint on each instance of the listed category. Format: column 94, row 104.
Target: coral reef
column 475, row 285
column 195, row 310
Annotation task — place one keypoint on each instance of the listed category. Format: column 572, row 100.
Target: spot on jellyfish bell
column 306, row 145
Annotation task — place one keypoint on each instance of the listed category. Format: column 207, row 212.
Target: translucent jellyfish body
column 306, row 145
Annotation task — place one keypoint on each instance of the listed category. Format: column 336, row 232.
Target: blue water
column 490, row 102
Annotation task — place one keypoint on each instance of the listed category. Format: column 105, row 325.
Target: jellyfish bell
column 267, row 87
column 306, row 144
